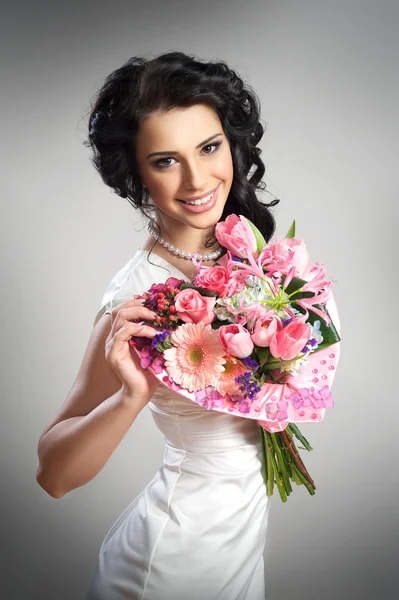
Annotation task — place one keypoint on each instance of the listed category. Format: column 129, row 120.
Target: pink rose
column 288, row 342
column 236, row 235
column 236, row 340
column 215, row 279
column 191, row 307
column 265, row 328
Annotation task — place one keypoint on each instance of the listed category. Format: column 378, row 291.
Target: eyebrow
column 168, row 152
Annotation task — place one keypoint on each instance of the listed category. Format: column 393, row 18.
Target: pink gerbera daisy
column 196, row 358
column 226, row 383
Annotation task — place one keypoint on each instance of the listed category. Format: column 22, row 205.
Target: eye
column 161, row 162
column 216, row 144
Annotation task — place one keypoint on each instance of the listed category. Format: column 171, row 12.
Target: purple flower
column 159, row 338
column 286, row 321
column 309, row 345
column 249, row 362
column 237, row 258
column 249, row 385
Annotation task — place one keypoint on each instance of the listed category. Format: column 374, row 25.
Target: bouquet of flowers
column 250, row 336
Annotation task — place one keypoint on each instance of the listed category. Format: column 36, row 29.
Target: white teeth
column 202, row 201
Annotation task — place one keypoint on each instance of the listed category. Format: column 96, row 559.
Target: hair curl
column 139, row 87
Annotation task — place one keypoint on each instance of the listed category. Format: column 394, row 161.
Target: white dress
column 198, row 529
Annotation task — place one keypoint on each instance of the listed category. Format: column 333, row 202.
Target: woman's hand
column 138, row 383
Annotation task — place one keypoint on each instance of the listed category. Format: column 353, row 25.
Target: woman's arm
column 94, row 418
column 76, row 449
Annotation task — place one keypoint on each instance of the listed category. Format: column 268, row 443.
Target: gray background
column 326, row 73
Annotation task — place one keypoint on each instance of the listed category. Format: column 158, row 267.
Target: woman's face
column 181, row 154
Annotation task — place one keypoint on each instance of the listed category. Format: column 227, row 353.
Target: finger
column 127, row 313
column 130, row 302
column 127, row 303
column 136, row 310
column 128, row 330
column 134, row 315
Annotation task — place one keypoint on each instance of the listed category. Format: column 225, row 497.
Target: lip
column 198, row 197
column 204, row 207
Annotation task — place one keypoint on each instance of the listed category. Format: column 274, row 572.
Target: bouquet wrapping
column 251, row 336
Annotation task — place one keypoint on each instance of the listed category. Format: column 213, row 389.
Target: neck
column 185, row 248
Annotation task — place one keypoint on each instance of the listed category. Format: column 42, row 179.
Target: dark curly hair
column 139, row 87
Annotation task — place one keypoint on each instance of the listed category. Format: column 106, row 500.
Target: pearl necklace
column 181, row 253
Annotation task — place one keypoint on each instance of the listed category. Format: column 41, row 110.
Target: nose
column 194, row 178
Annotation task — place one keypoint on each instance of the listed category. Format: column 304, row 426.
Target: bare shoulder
column 95, row 382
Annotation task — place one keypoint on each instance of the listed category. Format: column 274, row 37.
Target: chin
column 206, row 219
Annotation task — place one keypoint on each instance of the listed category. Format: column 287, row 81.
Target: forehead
column 179, row 125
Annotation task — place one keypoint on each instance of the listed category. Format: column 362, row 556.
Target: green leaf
column 295, row 284
column 260, row 240
column 294, row 430
column 200, row 290
column 217, row 323
column 291, row 231
column 263, row 355
column 274, row 365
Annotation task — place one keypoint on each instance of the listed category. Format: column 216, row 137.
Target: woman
column 177, row 137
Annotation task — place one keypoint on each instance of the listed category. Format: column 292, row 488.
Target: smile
column 200, row 201
column 203, row 204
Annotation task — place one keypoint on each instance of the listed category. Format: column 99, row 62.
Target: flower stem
column 278, row 476
column 309, row 486
column 286, row 453
column 265, row 462
column 270, row 480
column 281, row 463
column 297, row 461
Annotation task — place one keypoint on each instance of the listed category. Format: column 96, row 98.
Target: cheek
column 162, row 188
column 225, row 165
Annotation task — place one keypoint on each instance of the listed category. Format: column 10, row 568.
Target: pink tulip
column 287, row 343
column 236, row 235
column 236, row 340
column 265, row 329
